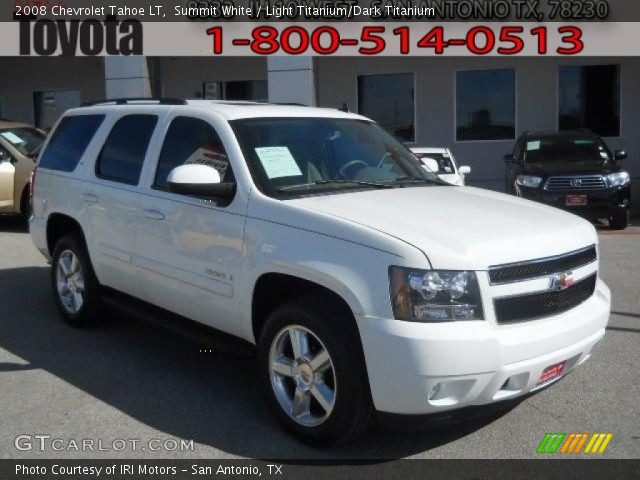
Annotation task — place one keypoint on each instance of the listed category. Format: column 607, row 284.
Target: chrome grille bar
column 578, row 182
column 519, row 271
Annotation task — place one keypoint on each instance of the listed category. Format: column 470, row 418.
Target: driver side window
column 191, row 141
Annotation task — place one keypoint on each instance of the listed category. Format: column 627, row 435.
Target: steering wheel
column 343, row 169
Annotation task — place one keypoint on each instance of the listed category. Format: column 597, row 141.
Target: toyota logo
column 575, row 182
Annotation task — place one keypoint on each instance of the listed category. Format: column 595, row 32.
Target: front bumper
column 476, row 362
column 600, row 203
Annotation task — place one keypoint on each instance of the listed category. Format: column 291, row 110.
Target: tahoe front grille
column 515, row 272
column 543, row 304
column 583, row 182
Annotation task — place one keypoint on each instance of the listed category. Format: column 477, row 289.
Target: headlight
column 618, row 179
column 528, row 181
column 434, row 295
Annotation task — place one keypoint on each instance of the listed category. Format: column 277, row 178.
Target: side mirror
column 465, row 169
column 199, row 180
column 619, row 155
column 431, row 163
column 508, row 158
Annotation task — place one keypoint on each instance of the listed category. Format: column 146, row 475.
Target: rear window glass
column 69, row 141
column 123, row 153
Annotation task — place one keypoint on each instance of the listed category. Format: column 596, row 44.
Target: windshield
column 310, row 155
column 565, row 148
column 445, row 165
column 26, row 140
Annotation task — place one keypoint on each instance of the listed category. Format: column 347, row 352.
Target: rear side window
column 190, row 140
column 69, row 141
column 123, row 153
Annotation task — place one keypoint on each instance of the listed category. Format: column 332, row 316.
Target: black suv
column 572, row 170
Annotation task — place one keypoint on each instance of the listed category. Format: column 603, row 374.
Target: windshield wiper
column 356, row 182
column 414, row 179
column 336, row 181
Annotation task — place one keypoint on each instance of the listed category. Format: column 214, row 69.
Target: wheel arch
column 272, row 289
column 59, row 225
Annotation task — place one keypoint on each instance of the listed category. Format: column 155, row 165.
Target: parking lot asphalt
column 129, row 380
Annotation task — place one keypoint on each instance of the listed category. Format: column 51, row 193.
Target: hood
column 569, row 168
column 451, row 178
column 460, row 228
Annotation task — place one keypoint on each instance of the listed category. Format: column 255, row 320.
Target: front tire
column 74, row 284
column 313, row 373
column 619, row 220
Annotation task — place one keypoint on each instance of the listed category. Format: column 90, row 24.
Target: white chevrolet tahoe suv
column 369, row 287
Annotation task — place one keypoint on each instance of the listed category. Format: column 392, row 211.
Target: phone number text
column 402, row 40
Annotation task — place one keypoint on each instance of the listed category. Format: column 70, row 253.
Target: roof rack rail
column 124, row 101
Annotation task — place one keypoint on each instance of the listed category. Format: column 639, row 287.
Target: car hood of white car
column 460, row 228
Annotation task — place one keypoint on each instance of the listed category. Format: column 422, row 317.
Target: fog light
column 435, row 390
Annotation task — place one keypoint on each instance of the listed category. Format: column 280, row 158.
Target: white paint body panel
column 7, row 175
column 202, row 260
column 461, row 228
column 194, row 174
column 454, row 178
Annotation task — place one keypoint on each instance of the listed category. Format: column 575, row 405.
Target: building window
column 49, row 105
column 485, row 105
column 252, row 90
column 389, row 100
column 590, row 98
column 255, row 90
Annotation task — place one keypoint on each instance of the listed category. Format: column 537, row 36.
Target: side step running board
column 206, row 336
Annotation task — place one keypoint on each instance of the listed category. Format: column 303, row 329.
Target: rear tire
column 74, row 284
column 25, row 205
column 320, row 406
column 619, row 220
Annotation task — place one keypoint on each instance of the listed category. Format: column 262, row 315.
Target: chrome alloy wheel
column 70, row 282
column 302, row 375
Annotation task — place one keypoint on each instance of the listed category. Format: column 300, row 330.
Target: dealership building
column 475, row 106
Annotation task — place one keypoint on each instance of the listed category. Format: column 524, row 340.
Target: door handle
column 90, row 197
column 153, row 214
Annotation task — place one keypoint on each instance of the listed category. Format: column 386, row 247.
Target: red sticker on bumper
column 552, row 372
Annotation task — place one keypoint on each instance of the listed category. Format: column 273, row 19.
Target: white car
column 304, row 231
column 442, row 162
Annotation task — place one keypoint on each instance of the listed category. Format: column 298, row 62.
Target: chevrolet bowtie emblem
column 561, row 281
